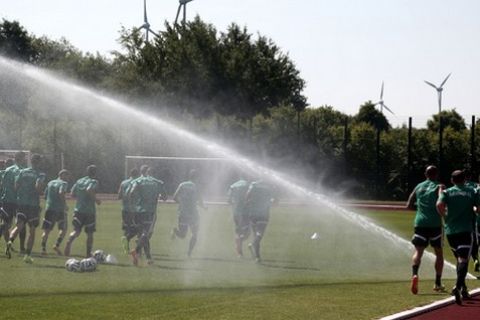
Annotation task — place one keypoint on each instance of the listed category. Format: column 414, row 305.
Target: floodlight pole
column 409, row 155
column 473, row 160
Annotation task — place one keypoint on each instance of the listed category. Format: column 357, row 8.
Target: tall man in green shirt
column 188, row 197
column 145, row 191
column 55, row 210
column 84, row 214
column 476, row 221
column 259, row 198
column 29, row 184
column 456, row 206
column 8, row 196
column 128, row 222
column 427, row 226
column 237, row 198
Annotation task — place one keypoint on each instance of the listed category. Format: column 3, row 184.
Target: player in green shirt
column 456, row 206
column 476, row 226
column 55, row 210
column 427, row 226
column 145, row 191
column 236, row 197
column 8, row 196
column 29, row 184
column 84, row 214
column 128, row 223
column 259, row 198
column 188, row 197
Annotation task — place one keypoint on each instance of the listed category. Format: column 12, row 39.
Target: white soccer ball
column 88, row 264
column 99, row 255
column 110, row 259
column 73, row 265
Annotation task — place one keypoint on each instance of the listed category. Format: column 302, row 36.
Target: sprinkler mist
column 90, row 98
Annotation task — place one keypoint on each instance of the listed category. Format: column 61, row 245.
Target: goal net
column 215, row 175
column 10, row 154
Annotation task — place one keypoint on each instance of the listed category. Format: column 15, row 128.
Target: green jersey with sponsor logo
column 427, row 195
column 236, row 194
column 54, row 199
column 85, row 202
column 460, row 200
column 146, row 190
column 187, row 198
column 259, row 199
column 25, row 181
column 8, row 193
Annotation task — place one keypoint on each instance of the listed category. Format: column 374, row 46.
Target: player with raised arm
column 188, row 197
column 29, row 184
column 146, row 191
column 456, row 205
column 236, row 197
column 9, row 199
column 84, row 214
column 128, row 216
column 259, row 198
column 55, row 210
column 428, row 228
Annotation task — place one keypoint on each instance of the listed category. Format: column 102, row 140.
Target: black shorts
column 145, row 222
column 29, row 215
column 259, row 224
column 461, row 244
column 87, row 220
column 52, row 217
column 188, row 221
column 423, row 236
column 8, row 212
column 128, row 220
column 242, row 225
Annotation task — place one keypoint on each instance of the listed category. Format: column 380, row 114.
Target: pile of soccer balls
column 89, row 264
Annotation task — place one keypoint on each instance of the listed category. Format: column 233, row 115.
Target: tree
column 15, row 42
column 450, row 118
column 369, row 114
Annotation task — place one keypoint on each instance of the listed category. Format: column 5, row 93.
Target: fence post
column 473, row 160
column 409, row 156
column 440, row 148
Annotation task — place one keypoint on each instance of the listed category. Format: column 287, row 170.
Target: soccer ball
column 88, row 265
column 100, row 256
column 73, row 265
column 110, row 259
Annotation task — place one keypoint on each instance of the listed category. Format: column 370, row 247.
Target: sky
column 344, row 49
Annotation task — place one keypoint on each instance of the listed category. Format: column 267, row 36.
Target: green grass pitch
column 345, row 274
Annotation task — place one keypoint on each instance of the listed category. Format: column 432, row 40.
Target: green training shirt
column 187, row 198
column 9, row 195
column 147, row 190
column 124, row 190
column 460, row 201
column 25, row 181
column 236, row 195
column 427, row 215
column 53, row 198
column 259, row 199
column 85, row 202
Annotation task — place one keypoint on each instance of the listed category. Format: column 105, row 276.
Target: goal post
column 6, row 154
column 215, row 174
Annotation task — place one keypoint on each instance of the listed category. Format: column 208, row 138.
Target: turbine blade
column 145, row 10
column 445, row 80
column 178, row 12
column 388, row 109
column 153, row 32
column 381, row 92
column 431, row 84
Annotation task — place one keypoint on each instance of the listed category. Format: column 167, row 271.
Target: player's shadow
column 48, row 266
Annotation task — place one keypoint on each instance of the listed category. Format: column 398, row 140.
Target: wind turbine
column 439, row 91
column 381, row 104
column 145, row 24
column 184, row 4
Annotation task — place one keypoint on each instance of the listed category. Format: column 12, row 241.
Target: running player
column 9, row 198
column 427, row 226
column 29, row 184
column 459, row 200
column 472, row 184
column 188, row 197
column 128, row 222
column 146, row 190
column 55, row 210
column 259, row 198
column 84, row 214
column 236, row 197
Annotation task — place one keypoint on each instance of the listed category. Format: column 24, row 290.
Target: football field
column 347, row 272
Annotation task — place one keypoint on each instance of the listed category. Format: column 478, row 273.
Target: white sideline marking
column 419, row 310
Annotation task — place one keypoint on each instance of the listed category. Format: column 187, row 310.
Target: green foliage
column 369, row 114
column 15, row 42
column 450, row 118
